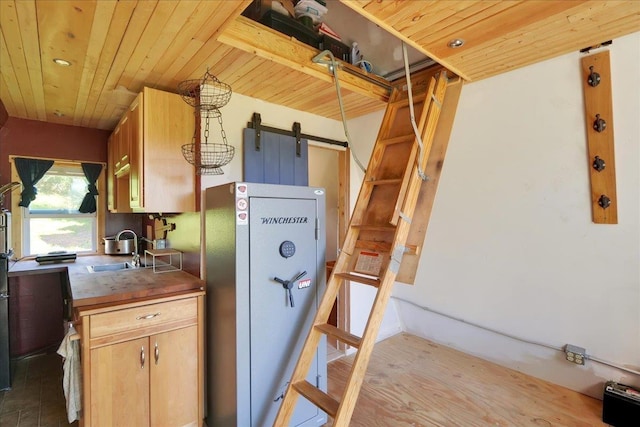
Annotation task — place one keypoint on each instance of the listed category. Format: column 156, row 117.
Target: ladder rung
column 339, row 334
column 398, row 139
column 360, row 279
column 389, row 227
column 318, row 397
column 384, row 181
column 385, row 247
column 373, row 246
column 399, row 102
column 412, row 250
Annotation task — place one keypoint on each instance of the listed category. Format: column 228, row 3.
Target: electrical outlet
column 575, row 354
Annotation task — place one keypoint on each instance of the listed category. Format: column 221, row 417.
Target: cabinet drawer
column 130, row 323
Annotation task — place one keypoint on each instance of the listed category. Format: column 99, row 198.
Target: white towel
column 71, row 380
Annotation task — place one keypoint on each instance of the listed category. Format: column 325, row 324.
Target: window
column 52, row 222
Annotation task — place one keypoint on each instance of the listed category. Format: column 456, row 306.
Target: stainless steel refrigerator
column 265, row 248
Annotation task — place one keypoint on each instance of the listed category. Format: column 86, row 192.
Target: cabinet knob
column 142, row 357
column 156, row 353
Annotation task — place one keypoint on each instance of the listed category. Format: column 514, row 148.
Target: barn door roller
column 296, row 132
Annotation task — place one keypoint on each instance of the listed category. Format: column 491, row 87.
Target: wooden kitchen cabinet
column 143, row 363
column 120, row 385
column 135, row 150
column 118, row 166
column 154, row 176
column 111, row 179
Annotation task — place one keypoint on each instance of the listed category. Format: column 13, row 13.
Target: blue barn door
column 276, row 161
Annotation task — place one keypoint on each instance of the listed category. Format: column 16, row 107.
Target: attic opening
column 333, row 26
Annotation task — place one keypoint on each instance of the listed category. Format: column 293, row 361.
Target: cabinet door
column 120, row 384
column 111, row 179
column 136, row 153
column 174, row 378
column 125, row 138
column 122, row 174
column 115, row 140
column 169, row 180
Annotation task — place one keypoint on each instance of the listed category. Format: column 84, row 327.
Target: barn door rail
column 296, row 132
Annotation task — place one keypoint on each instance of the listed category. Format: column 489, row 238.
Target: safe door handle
column 148, row 316
column 288, row 284
column 156, row 353
column 142, row 357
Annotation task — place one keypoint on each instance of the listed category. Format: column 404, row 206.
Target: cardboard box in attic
column 258, row 8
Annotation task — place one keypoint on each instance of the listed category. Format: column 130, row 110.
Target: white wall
column 511, row 245
column 239, row 111
column 323, row 172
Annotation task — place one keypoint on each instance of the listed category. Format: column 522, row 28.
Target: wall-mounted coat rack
column 598, row 106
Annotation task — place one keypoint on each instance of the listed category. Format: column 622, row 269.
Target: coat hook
column 598, row 164
column 604, row 202
column 599, row 124
column 594, row 78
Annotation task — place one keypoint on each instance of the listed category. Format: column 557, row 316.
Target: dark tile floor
column 36, row 398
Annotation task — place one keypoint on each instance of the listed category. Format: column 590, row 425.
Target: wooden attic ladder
column 375, row 241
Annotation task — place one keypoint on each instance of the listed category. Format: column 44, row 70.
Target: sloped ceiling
column 117, row 47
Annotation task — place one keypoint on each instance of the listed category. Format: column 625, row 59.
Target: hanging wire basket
column 208, row 158
column 205, row 94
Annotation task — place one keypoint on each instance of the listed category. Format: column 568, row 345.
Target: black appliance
column 620, row 405
column 5, row 254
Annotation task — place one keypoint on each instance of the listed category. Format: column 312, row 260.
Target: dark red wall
column 35, row 313
column 22, row 137
column 39, row 139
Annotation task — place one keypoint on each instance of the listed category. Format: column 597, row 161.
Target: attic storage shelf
column 291, row 27
column 262, row 12
column 145, row 170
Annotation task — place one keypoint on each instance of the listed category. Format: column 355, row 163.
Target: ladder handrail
column 371, row 197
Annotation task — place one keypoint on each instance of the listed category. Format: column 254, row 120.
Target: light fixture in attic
column 207, row 96
column 456, row 43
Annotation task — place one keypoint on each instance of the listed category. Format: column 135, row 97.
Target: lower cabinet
column 120, row 384
column 144, row 365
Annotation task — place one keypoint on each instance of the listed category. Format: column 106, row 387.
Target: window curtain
column 91, row 172
column 30, row 172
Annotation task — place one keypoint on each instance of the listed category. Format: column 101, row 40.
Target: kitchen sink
column 120, row 266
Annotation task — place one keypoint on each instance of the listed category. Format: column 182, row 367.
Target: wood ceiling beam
column 255, row 38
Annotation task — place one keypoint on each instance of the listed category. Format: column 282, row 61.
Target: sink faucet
column 135, row 261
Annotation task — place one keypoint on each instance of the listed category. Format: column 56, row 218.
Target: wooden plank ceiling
column 117, row 47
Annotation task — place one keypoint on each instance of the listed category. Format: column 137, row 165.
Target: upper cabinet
column 146, row 167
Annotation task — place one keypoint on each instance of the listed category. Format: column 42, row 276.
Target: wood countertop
column 110, row 287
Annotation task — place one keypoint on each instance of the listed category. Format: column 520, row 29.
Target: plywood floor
column 414, row 382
